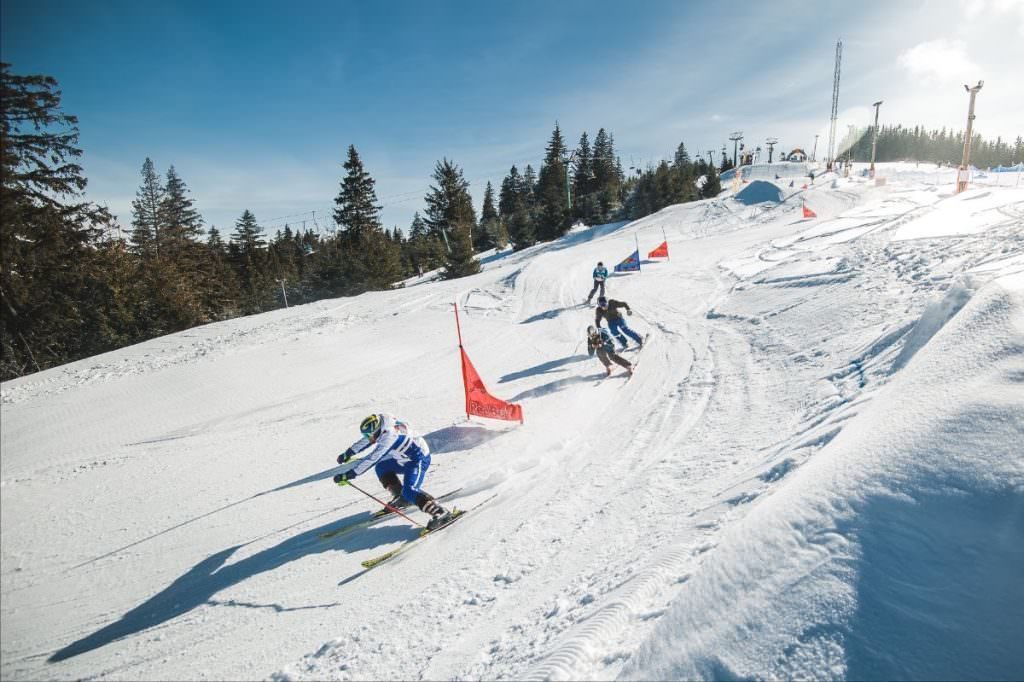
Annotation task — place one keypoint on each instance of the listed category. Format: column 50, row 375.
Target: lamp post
column 814, row 152
column 874, row 140
column 964, row 174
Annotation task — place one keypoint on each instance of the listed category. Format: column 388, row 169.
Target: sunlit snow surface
column 817, row 470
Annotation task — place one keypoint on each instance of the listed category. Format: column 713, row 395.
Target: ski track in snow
column 182, row 483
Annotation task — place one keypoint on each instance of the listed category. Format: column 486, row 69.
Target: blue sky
column 255, row 103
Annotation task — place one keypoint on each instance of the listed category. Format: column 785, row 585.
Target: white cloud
column 974, row 9
column 940, row 61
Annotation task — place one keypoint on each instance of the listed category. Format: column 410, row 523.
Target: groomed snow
column 816, row 471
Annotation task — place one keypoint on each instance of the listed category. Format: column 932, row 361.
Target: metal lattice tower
column 835, row 106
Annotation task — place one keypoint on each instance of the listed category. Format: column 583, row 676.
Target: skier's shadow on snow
column 325, row 474
column 198, row 586
column 543, row 368
column 549, row 314
column 456, row 438
column 556, row 385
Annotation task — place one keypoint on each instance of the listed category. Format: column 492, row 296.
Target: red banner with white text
column 480, row 402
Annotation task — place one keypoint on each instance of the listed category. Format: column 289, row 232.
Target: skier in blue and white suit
column 396, row 449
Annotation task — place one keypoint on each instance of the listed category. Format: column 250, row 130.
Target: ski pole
column 387, row 506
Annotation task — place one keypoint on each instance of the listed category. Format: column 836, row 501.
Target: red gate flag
column 660, row 252
column 808, row 213
column 479, row 401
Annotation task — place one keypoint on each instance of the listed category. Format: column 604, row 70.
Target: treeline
column 672, row 183
column 74, row 284
column 899, row 143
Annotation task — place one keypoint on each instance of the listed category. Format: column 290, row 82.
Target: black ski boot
column 439, row 515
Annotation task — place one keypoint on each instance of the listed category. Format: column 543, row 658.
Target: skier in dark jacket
column 610, row 310
column 600, row 341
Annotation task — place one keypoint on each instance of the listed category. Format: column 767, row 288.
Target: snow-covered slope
column 896, row 553
column 814, row 470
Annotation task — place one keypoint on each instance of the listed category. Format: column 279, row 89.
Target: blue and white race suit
column 399, row 450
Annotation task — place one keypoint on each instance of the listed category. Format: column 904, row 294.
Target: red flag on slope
column 660, row 252
column 808, row 213
column 479, row 401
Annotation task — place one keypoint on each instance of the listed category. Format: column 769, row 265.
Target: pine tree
column 509, row 193
column 682, row 157
column 372, row 261
column 55, row 290
column 356, row 208
column 248, row 254
column 426, row 250
column 181, row 221
column 450, row 213
column 585, row 205
column 552, row 202
column 488, row 236
column 146, row 212
column 607, row 174
column 713, row 185
column 515, row 207
column 248, row 235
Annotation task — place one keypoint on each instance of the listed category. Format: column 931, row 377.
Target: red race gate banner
column 660, row 252
column 808, row 213
column 480, row 402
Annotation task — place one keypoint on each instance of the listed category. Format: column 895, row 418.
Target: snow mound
column 896, row 552
column 968, row 213
column 759, row 192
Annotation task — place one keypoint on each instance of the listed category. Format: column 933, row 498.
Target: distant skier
column 397, row 449
column 609, row 309
column 600, row 275
column 600, row 341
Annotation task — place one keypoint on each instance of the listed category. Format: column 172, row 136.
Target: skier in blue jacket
column 396, row 449
column 600, row 275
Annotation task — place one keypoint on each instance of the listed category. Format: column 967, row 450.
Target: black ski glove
column 343, row 479
column 346, row 456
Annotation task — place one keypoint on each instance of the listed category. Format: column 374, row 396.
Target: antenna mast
column 835, row 107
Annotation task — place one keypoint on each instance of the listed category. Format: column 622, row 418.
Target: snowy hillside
column 816, row 471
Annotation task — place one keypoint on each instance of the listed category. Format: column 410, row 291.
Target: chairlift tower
column 964, row 174
column 735, row 137
column 874, row 140
column 830, row 158
column 770, row 143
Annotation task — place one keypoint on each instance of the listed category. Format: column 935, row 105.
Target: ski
column 379, row 515
column 376, row 561
column 456, row 515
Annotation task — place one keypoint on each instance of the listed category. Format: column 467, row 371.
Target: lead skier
column 397, row 449
column 600, row 275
